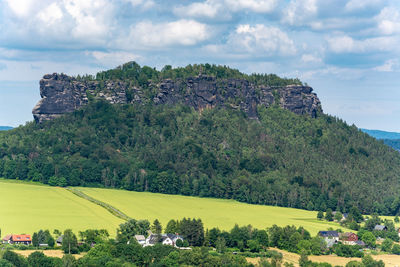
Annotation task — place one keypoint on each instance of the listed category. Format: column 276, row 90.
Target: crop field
column 26, row 208
column 213, row 212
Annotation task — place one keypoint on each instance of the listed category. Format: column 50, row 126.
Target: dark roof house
column 380, row 228
column 328, row 234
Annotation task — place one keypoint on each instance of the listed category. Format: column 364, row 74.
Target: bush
column 396, row 249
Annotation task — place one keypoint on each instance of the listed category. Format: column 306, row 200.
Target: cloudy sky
column 347, row 50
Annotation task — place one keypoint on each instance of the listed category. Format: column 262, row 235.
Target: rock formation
column 61, row 94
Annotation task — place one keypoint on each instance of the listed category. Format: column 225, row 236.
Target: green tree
column 329, row 215
column 15, row 259
column 70, row 242
column 127, row 231
column 5, row 263
column 387, row 245
column 368, row 261
column 172, row 227
column 396, row 249
column 338, row 216
column 320, row 215
column 39, row 259
column 220, row 245
column 69, row 261
column 396, row 219
column 369, row 239
column 157, row 229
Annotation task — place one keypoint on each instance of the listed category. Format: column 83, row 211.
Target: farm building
column 166, row 239
column 17, row 239
column 349, row 238
column 330, row 237
column 140, row 239
column 380, row 228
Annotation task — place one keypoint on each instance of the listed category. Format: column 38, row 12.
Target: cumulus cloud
column 388, row 21
column 258, row 40
column 361, row 4
column 154, row 35
column 389, row 66
column 298, row 12
column 113, row 59
column 21, row 8
column 346, row 44
column 223, row 9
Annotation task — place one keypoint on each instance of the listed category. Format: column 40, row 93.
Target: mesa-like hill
column 202, row 130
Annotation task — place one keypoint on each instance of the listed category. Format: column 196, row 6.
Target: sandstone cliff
column 61, row 94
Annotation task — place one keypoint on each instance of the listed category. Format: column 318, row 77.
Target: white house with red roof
column 17, row 239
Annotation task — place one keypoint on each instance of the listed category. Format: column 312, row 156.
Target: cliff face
column 61, row 94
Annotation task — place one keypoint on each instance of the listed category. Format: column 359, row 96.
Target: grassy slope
column 214, row 212
column 25, row 208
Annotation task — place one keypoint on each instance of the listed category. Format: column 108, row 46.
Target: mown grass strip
column 114, row 211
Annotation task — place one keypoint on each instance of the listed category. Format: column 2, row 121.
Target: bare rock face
column 62, row 94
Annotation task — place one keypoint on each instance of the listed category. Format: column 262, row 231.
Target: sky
column 347, row 50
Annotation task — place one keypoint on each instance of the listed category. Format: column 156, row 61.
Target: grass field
column 214, row 212
column 25, row 208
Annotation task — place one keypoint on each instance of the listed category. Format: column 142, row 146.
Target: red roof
column 21, row 238
column 7, row 237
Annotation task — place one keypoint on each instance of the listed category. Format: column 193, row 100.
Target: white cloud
column 92, row 18
column 360, row 4
column 51, row 14
column 21, row 8
column 298, row 12
column 113, row 59
column 208, row 9
column 346, row 44
column 259, row 40
column 309, row 58
column 145, row 4
column 258, row 6
column 388, row 21
column 181, row 32
column 222, row 9
column 389, row 66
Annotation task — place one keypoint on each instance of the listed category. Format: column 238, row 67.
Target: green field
column 28, row 207
column 25, row 208
column 214, row 212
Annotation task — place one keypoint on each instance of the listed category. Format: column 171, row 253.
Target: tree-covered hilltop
column 140, row 76
column 281, row 159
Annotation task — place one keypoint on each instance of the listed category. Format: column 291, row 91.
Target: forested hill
column 5, row 128
column 281, row 159
column 391, row 139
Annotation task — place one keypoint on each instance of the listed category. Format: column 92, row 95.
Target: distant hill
column 378, row 134
column 391, row 139
column 5, row 128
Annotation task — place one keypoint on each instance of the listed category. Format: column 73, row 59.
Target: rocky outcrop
column 61, row 94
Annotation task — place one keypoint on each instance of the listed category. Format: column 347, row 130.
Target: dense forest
column 280, row 159
column 395, row 143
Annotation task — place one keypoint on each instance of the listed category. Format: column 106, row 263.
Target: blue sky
column 347, row 50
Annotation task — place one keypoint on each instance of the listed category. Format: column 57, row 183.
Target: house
column 330, row 237
column 349, row 238
column 140, row 239
column 165, row 239
column 17, row 239
column 380, row 228
column 398, row 232
column 59, row 240
column 360, row 243
column 7, row 239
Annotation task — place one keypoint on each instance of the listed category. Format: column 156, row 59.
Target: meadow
column 220, row 213
column 26, row 208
